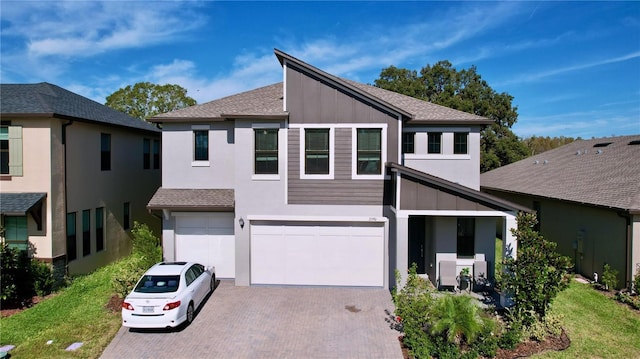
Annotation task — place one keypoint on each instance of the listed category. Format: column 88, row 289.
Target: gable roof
column 601, row 172
column 47, row 100
column 221, row 200
column 464, row 191
column 267, row 102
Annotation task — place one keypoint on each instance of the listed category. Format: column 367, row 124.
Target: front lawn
column 598, row 326
column 76, row 314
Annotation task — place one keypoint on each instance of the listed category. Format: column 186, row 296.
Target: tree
column 464, row 90
column 144, row 99
column 539, row 144
column 538, row 274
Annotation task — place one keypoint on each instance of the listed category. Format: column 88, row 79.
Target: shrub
column 609, row 277
column 456, row 317
column 43, row 281
column 15, row 278
column 537, row 275
column 636, row 281
column 512, row 335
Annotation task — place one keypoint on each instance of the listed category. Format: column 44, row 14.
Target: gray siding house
column 320, row 180
column 74, row 176
column 587, row 197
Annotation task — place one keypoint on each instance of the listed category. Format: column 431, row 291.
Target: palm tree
column 457, row 318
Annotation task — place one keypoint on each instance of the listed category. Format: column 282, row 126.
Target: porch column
column 402, row 248
column 509, row 250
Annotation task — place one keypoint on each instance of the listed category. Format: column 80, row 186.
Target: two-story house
column 74, row 176
column 320, row 180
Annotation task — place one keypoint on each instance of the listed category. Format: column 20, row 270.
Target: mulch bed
column 523, row 350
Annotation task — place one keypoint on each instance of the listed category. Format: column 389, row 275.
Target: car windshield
column 158, row 284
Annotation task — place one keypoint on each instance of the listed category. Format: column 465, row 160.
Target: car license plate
column 147, row 309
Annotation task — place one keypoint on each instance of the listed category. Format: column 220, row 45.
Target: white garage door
column 208, row 239
column 317, row 255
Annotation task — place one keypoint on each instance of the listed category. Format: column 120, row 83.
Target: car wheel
column 190, row 313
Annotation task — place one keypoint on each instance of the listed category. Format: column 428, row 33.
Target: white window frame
column 265, row 177
column 195, row 163
column 332, row 151
column 354, row 151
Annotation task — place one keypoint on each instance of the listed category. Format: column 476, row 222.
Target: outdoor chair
column 448, row 275
column 480, row 276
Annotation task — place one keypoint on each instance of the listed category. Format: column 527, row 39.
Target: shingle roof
column 580, row 172
column 264, row 101
column 45, row 99
column 193, row 199
column 267, row 102
column 19, row 203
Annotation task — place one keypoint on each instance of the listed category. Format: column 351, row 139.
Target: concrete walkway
column 274, row 322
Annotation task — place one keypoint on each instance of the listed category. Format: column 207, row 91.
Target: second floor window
column 266, row 151
column 316, row 152
column 4, row 149
column 146, row 153
column 369, row 151
column 434, row 141
column 105, row 152
column 200, row 145
column 156, row 154
column 460, row 143
column 408, row 139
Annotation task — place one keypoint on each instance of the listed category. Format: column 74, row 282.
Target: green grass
column 598, row 326
column 76, row 314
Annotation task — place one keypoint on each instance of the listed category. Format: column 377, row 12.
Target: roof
column 47, row 100
column 267, row 102
column 601, row 172
column 222, row 200
column 18, row 204
column 477, row 196
column 263, row 102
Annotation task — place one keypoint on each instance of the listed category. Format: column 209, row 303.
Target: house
column 320, row 180
column 74, row 176
column 587, row 197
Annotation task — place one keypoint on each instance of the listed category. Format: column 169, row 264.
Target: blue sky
column 573, row 68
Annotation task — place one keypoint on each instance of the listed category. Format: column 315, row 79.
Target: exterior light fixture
column 241, row 222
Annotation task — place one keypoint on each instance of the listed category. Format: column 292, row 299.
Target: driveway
column 274, row 322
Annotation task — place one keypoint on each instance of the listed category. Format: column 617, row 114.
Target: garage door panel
column 317, row 255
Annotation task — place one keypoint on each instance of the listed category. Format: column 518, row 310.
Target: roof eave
column 185, row 119
column 477, row 122
column 192, row 208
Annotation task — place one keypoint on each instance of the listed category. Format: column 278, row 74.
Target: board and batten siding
column 342, row 190
column 420, row 196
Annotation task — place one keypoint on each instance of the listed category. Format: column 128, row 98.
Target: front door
column 417, row 241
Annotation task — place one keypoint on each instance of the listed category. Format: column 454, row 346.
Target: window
column 146, row 153
column 105, row 151
column 4, row 149
column 156, row 154
column 86, row 232
column 126, row 220
column 460, row 140
column 466, row 237
column 369, row 151
column 408, row 139
column 266, row 151
column 16, row 234
column 434, row 142
column 316, row 151
column 200, row 145
column 71, row 236
column 99, row 229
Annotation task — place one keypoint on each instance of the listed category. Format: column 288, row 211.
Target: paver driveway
column 274, row 322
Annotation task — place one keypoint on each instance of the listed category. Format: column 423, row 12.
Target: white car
column 167, row 295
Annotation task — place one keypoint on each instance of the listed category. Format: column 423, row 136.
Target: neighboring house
column 74, row 176
column 587, row 197
column 320, row 180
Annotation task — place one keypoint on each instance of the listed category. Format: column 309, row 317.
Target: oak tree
column 145, row 99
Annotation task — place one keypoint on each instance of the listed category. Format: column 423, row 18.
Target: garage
column 208, row 239
column 318, row 254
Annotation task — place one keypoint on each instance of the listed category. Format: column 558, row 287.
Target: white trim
column 265, row 125
column 337, row 125
column 286, row 161
column 451, row 213
column 436, row 156
column 436, row 129
column 293, row 218
column 354, row 151
column 256, row 177
column 200, row 127
column 400, row 129
column 332, row 151
column 200, row 164
column 284, row 86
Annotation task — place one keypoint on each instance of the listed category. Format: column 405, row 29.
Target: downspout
column 66, row 209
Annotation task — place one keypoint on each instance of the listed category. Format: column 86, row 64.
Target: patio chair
column 480, row 276
column 448, row 276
